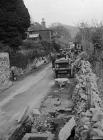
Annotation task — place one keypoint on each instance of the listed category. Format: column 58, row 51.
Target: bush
column 30, row 44
column 29, row 51
column 25, row 57
column 19, row 60
column 93, row 59
column 40, row 48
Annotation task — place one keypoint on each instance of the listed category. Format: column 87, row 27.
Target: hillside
column 73, row 30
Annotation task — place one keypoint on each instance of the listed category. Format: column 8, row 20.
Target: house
column 46, row 35
column 39, row 31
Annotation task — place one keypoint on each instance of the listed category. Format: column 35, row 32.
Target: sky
column 70, row 12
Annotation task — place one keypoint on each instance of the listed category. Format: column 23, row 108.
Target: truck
column 62, row 68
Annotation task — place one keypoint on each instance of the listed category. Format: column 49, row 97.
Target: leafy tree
column 14, row 21
column 78, row 37
column 56, row 46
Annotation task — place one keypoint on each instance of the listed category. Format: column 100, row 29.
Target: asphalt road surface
column 30, row 91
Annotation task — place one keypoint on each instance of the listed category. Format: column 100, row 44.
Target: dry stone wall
column 88, row 106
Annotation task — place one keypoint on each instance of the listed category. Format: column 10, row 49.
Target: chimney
column 43, row 23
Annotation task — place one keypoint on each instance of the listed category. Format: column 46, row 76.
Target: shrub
column 19, row 60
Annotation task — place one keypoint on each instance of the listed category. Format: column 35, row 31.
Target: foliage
column 22, row 58
column 43, row 47
column 4, row 48
column 92, row 59
column 14, row 21
column 19, row 60
column 92, row 34
column 78, row 37
column 40, row 48
column 92, row 42
column 56, row 46
column 61, row 31
column 46, row 46
column 97, row 38
column 30, row 44
column 63, row 35
column 31, row 50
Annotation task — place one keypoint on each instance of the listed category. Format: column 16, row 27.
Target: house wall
column 45, row 34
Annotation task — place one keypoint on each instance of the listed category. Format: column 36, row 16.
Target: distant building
column 43, row 33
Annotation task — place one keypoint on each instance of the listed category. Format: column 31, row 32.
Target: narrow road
column 29, row 91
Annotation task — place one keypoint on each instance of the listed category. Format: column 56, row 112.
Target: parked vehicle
column 62, row 68
column 54, row 57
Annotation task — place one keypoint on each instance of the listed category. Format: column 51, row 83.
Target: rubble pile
column 87, row 104
column 42, row 123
